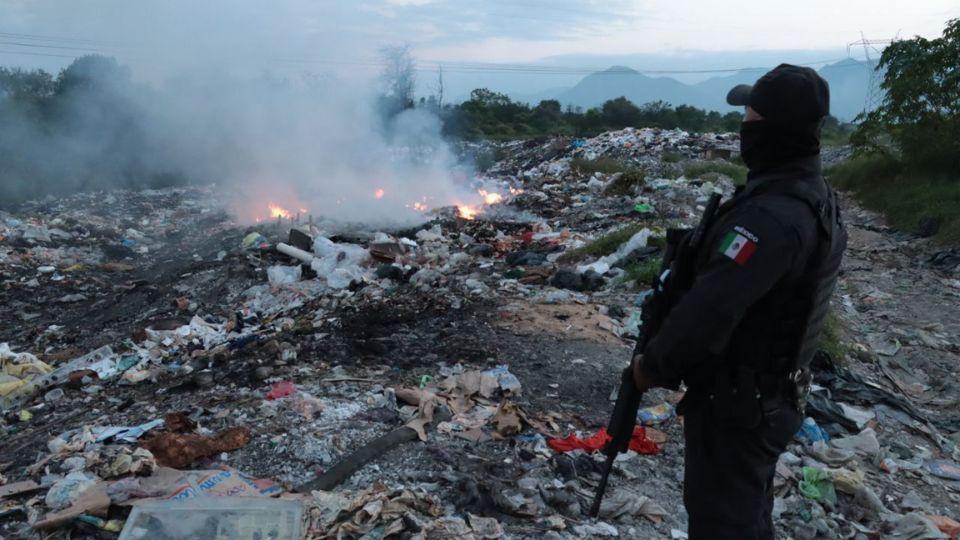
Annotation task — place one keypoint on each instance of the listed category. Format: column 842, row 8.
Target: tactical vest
column 779, row 334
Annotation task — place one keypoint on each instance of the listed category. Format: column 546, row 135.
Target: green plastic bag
column 643, row 208
column 817, row 484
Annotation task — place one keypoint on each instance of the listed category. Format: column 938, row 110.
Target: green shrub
column 625, row 183
column 907, row 200
column 603, row 165
column 832, row 340
column 696, row 169
column 671, row 157
column 863, row 169
column 643, row 272
column 604, row 245
column 671, row 171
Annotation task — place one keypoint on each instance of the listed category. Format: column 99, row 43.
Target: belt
column 792, row 386
column 774, row 384
column 774, row 389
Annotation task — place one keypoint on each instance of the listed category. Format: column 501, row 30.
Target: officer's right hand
column 641, row 379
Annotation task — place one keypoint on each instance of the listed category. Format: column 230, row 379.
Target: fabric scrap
column 639, row 442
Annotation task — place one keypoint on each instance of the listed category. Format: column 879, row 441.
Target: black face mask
column 765, row 145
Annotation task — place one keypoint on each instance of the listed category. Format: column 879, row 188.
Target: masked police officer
column 746, row 325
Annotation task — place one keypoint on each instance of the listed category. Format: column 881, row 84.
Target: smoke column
column 203, row 98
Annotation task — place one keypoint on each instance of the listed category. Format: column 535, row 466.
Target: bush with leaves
column 919, row 119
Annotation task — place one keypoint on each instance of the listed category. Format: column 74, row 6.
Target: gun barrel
column 624, row 416
column 602, row 487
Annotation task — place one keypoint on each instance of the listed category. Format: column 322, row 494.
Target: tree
column 690, row 118
column 24, row 93
column 398, row 79
column 547, row 116
column 491, row 114
column 920, row 112
column 621, row 112
column 25, row 86
column 731, row 121
column 660, row 114
column 549, row 107
column 484, row 97
column 93, row 73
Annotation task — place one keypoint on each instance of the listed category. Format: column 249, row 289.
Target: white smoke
column 317, row 147
column 212, row 98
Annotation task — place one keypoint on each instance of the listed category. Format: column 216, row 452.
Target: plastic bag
column 282, row 275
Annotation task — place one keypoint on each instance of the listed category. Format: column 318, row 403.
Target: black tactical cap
column 787, row 93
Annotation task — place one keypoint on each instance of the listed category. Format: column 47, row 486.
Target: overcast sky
column 343, row 36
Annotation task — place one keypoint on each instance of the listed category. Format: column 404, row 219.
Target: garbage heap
column 309, row 379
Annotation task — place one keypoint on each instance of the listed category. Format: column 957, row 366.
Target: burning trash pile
column 301, row 378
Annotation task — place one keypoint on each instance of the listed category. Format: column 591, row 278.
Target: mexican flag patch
column 738, row 246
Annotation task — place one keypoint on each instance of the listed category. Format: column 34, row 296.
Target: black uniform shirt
column 759, row 241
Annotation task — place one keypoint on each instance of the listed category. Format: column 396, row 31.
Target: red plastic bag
column 639, row 442
column 280, row 390
column 946, row 526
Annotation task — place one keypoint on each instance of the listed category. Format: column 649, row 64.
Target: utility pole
column 440, row 87
column 874, row 96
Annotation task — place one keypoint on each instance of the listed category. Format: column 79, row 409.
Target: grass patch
column 836, row 134
column 831, row 339
column 604, row 245
column 671, row 157
column 839, row 137
column 696, row 169
column 907, row 202
column 602, row 165
column 671, row 171
column 643, row 272
column 625, row 183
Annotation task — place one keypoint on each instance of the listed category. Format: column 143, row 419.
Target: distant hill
column 849, row 83
column 618, row 81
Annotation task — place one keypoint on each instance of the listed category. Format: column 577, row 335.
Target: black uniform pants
column 729, row 469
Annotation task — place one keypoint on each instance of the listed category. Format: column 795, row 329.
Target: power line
column 39, row 46
column 36, row 37
column 31, row 53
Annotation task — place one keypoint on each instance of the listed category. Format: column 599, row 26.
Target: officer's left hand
column 641, row 379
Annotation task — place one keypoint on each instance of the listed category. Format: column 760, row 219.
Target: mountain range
column 849, row 82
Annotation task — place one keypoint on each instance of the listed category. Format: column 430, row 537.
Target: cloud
column 404, row 3
column 295, row 35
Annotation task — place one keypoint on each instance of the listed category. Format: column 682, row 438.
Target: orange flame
column 419, row 206
column 490, row 197
column 379, row 193
column 466, row 211
column 277, row 211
